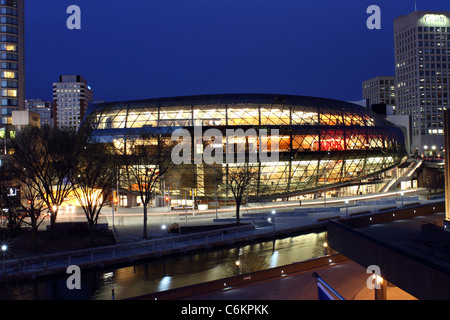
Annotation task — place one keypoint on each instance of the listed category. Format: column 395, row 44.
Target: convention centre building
column 310, row 143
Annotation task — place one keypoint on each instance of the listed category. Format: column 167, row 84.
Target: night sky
column 138, row 49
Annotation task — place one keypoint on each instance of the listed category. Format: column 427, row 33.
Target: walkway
column 128, row 230
column 348, row 279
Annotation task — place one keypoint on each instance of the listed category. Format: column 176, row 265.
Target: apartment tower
column 12, row 58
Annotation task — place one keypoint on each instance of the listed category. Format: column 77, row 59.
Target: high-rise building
column 422, row 76
column 43, row 108
column 379, row 90
column 71, row 97
column 12, row 58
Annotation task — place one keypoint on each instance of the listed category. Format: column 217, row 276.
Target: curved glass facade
column 321, row 142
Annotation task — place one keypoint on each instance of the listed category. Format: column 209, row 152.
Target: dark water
column 165, row 273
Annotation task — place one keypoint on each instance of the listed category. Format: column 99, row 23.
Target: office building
column 71, row 98
column 379, row 90
column 43, row 108
column 12, row 58
column 422, row 77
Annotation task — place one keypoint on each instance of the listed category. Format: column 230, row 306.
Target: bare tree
column 148, row 159
column 22, row 198
column 93, row 179
column 240, row 179
column 48, row 157
column 9, row 200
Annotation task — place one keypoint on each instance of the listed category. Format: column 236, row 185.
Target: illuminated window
column 9, row 93
column 274, row 116
column 243, row 116
column 9, row 75
column 8, row 47
column 207, row 116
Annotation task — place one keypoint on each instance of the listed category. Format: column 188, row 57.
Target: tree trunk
column 34, row 229
column 238, row 206
column 92, row 228
column 52, row 225
column 145, row 221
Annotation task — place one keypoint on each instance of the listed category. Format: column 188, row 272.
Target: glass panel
column 138, row 118
column 175, row 116
column 209, row 116
column 275, row 115
column 304, row 117
column 243, row 116
column 305, row 142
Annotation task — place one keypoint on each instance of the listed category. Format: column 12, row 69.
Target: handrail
column 320, row 280
column 119, row 247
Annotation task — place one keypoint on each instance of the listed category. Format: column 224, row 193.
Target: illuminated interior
column 322, row 142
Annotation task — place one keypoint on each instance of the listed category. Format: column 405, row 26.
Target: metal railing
column 127, row 250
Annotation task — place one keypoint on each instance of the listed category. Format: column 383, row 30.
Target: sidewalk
column 128, row 230
column 128, row 222
column 349, row 279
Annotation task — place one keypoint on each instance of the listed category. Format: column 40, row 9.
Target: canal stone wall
column 209, row 287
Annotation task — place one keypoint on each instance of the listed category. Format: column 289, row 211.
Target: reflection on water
column 166, row 272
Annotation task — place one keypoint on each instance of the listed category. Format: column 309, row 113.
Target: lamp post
column 327, row 249
column 346, row 208
column 4, row 248
column 272, row 219
column 380, row 288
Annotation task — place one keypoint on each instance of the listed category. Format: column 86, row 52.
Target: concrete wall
column 416, row 275
column 245, row 279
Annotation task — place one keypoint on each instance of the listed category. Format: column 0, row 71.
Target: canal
column 166, row 272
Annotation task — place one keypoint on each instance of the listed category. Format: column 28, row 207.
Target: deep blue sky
column 139, row 49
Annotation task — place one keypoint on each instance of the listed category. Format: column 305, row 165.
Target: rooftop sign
column 434, row 18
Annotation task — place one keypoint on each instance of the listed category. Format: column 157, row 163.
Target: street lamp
column 237, row 263
column 325, row 245
column 4, row 248
column 380, row 287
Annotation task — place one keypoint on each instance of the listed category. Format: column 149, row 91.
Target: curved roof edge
column 255, row 96
column 266, row 96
